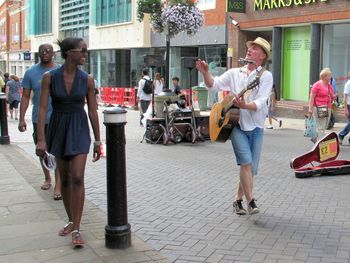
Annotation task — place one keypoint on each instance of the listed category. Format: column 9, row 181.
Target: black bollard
column 4, row 138
column 117, row 230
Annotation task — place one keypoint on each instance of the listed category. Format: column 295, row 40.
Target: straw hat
column 261, row 43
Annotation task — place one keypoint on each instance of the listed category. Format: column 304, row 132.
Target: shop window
column 296, row 63
column 111, row 68
column 13, row 70
column 206, row 4
column 336, row 53
column 216, row 57
column 111, row 11
column 39, row 17
column 137, row 59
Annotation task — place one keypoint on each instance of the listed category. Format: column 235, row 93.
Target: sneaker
column 252, row 207
column 314, row 140
column 280, row 123
column 238, row 207
column 269, row 127
column 340, row 140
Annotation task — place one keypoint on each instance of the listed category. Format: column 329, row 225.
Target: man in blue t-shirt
column 32, row 82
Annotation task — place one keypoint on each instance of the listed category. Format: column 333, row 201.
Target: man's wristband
column 97, row 143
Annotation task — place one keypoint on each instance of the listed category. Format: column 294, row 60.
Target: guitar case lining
column 325, row 152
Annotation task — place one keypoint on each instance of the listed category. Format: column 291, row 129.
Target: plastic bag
column 310, row 127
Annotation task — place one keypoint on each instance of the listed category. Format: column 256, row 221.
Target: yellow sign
column 275, row 4
column 230, row 52
column 328, row 149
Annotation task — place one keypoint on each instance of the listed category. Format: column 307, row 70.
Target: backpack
column 148, row 87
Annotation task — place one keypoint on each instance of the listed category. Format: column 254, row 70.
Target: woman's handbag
column 322, row 111
column 310, row 127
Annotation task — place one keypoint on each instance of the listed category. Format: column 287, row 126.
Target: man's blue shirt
column 32, row 80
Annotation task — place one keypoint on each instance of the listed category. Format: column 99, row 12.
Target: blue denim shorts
column 247, row 146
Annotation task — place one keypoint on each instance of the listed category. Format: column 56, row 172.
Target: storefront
column 306, row 36
column 122, row 68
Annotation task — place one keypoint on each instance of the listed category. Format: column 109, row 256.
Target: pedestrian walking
column 320, row 103
column 68, row 134
column 2, row 83
column 13, row 94
column 32, row 82
column 247, row 137
column 143, row 97
column 346, row 129
column 158, row 84
column 272, row 105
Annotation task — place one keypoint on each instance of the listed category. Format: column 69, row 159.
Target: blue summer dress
column 68, row 132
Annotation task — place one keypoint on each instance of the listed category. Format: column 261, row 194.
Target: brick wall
column 17, row 16
column 310, row 13
column 216, row 16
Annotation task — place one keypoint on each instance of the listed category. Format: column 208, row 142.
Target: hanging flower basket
column 183, row 2
column 180, row 18
column 175, row 16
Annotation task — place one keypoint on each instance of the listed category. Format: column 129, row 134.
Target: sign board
column 26, row 56
column 237, row 6
column 230, row 52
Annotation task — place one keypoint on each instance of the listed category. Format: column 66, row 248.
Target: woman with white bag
column 320, row 103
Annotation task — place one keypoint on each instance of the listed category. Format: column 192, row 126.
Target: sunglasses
column 81, row 50
column 45, row 50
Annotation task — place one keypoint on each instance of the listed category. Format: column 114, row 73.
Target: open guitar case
column 325, row 152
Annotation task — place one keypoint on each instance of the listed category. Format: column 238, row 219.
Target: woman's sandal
column 77, row 240
column 68, row 228
column 46, row 186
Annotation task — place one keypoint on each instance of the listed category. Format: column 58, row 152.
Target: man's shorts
column 35, row 132
column 247, row 146
column 14, row 104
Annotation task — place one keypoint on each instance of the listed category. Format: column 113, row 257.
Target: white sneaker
column 269, row 127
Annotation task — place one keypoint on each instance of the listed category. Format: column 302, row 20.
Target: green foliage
column 148, row 7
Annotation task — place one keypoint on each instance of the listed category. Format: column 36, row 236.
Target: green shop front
column 306, row 36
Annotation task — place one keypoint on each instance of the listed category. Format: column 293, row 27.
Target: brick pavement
column 30, row 218
column 180, row 201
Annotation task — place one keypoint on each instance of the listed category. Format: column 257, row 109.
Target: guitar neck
column 230, row 104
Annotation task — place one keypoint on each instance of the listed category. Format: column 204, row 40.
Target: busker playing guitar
column 247, row 136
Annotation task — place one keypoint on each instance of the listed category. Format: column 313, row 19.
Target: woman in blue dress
column 68, row 135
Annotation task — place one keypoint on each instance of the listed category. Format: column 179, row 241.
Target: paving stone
column 181, row 198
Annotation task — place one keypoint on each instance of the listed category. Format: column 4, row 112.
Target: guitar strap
column 249, row 92
column 262, row 70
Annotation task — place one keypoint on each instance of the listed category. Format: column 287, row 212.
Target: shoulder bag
column 322, row 111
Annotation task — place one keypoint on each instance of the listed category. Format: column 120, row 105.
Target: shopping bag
column 310, row 127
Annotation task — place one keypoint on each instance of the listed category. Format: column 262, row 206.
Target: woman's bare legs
column 72, row 189
column 77, row 169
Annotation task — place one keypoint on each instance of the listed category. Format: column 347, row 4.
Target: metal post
column 117, row 230
column 167, row 62
column 4, row 138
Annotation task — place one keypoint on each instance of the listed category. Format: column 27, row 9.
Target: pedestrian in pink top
column 320, row 104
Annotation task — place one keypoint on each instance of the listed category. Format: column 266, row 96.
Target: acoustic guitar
column 224, row 116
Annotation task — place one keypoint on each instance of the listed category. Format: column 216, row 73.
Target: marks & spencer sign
column 237, row 6
column 275, row 4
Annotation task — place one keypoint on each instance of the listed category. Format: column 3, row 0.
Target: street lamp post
column 167, row 60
